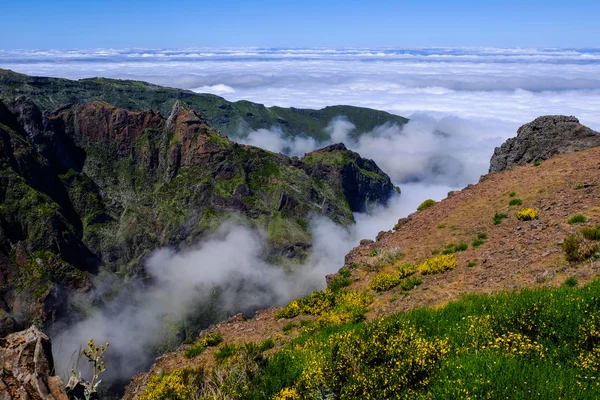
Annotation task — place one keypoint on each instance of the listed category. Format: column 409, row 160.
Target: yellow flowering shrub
column 287, row 394
column 391, row 359
column 589, row 343
column 405, row 270
column 526, row 214
column 383, row 282
column 313, row 304
column 438, row 264
column 174, row 385
column 351, row 306
column 324, row 302
column 355, row 299
column 516, row 344
column 211, row 339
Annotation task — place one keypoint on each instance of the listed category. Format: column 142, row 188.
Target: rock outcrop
column 364, row 184
column 27, row 368
column 541, row 139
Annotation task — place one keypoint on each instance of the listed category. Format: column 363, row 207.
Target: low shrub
column 351, row 307
column 313, row 304
column 498, row 217
column 453, row 248
column 512, row 194
column 482, row 236
column 405, row 270
column 211, row 339
column 537, row 163
column 426, row 204
column 410, row 283
column 379, row 361
column 526, row 214
column 267, row 344
column 590, row 233
column 345, row 273
column 438, row 264
column 578, row 247
column 476, row 243
column 287, row 328
column 461, row 247
column 226, row 351
column 176, row 384
column 571, row 282
column 384, row 282
column 194, row 351
column 576, row 219
column 471, row 264
column 321, row 302
column 208, row 340
column 515, row 202
column 339, row 282
column 287, row 394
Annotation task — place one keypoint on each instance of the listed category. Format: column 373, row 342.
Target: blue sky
column 33, row 24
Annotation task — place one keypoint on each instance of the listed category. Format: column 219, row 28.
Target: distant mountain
column 93, row 187
column 231, row 118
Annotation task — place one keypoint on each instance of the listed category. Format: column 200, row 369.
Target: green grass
column 571, row 282
column 515, row 202
column 498, row 217
column 194, row 351
column 477, row 242
column 453, row 248
column 226, row 351
column 576, row 219
column 550, row 332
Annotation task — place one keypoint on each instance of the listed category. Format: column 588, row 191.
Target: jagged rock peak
column 330, row 148
column 27, row 366
column 541, row 139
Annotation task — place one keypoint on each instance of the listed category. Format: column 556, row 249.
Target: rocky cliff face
column 28, row 368
column 93, row 188
column 541, row 139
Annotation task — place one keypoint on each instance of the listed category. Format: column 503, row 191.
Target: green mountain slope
column 94, row 187
column 231, row 118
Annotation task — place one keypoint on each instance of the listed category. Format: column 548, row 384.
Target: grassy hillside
column 542, row 343
column 490, row 293
column 231, row 118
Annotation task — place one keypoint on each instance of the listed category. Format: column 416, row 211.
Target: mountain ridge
column 235, row 119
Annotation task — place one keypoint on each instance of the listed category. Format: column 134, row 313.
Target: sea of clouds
column 462, row 102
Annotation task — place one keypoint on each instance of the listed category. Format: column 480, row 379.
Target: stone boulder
column 27, row 367
column 541, row 139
